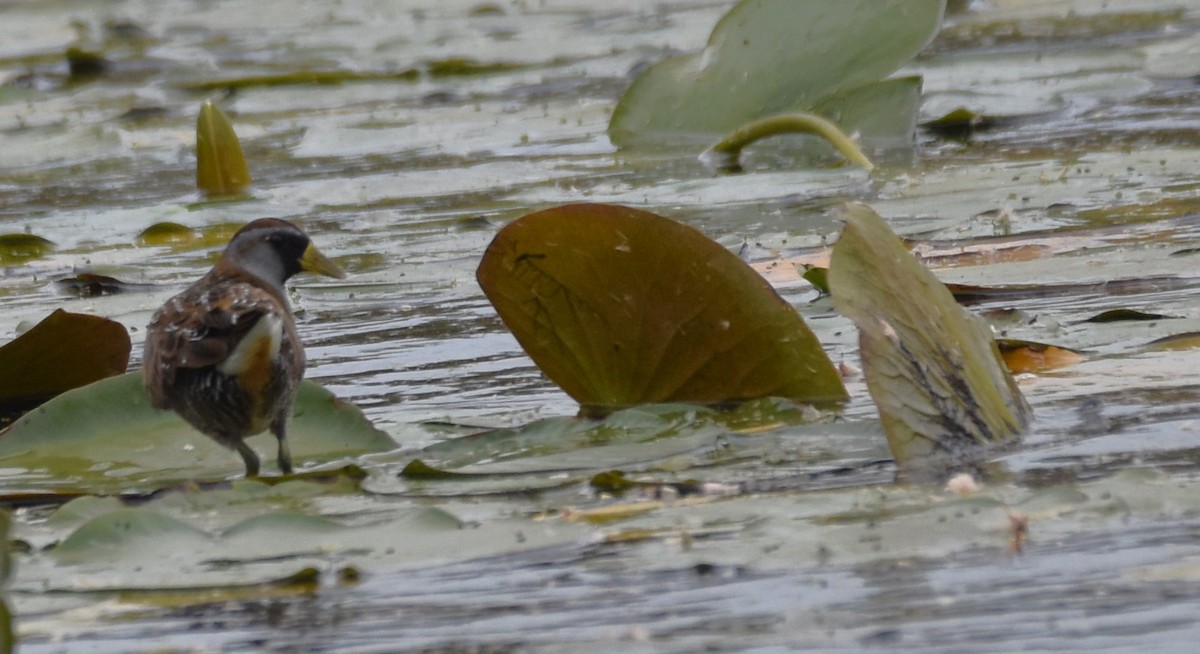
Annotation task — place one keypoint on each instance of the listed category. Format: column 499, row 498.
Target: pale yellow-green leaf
column 933, row 368
column 220, row 165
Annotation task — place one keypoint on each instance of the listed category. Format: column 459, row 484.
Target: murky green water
column 801, row 540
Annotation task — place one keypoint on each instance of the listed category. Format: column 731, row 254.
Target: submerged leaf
column 620, row 306
column 418, row 469
column 63, row 351
column 459, row 66
column 107, row 436
column 303, row 78
column 152, row 534
column 933, row 369
column 220, row 165
column 1185, row 341
column 766, row 57
column 1119, row 315
column 87, row 284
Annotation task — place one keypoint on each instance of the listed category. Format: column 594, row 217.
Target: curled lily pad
column 620, row 306
column 107, row 437
column 63, row 351
column 1028, row 356
column 221, row 169
column 767, row 57
column 934, row 370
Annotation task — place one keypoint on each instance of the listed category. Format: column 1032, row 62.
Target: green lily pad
column 934, row 370
column 167, row 233
column 63, row 351
column 19, row 248
column 147, row 548
column 766, row 57
column 221, row 169
column 620, row 306
column 106, row 437
column 884, row 113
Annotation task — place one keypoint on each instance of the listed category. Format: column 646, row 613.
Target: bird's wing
column 197, row 330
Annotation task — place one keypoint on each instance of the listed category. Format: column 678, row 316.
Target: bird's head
column 273, row 250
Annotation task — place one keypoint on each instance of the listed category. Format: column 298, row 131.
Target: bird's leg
column 279, row 428
column 249, row 457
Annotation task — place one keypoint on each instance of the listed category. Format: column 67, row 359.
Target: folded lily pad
column 766, row 57
column 934, row 370
column 63, row 351
column 1028, row 356
column 221, row 169
column 620, row 306
column 106, row 437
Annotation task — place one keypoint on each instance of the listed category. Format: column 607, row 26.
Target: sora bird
column 224, row 354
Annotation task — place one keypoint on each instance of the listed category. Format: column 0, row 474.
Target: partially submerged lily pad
column 150, row 548
column 933, row 369
column 88, row 284
column 63, row 351
column 1028, row 356
column 766, row 57
column 106, row 437
column 620, row 306
column 19, row 248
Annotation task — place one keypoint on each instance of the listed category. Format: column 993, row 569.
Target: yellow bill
column 313, row 261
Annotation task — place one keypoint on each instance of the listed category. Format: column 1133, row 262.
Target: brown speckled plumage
column 224, row 354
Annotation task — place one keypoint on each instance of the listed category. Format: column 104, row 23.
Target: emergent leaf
column 63, row 351
column 220, row 166
column 620, row 306
column 933, row 369
column 767, row 57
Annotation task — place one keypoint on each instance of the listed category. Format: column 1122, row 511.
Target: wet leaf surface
column 221, row 169
column 1116, row 315
column 1085, row 185
column 1027, row 356
column 63, row 351
column 932, row 368
column 620, row 307
column 105, row 437
column 18, row 248
column 775, row 56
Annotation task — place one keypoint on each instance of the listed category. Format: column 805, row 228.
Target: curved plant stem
column 726, row 153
